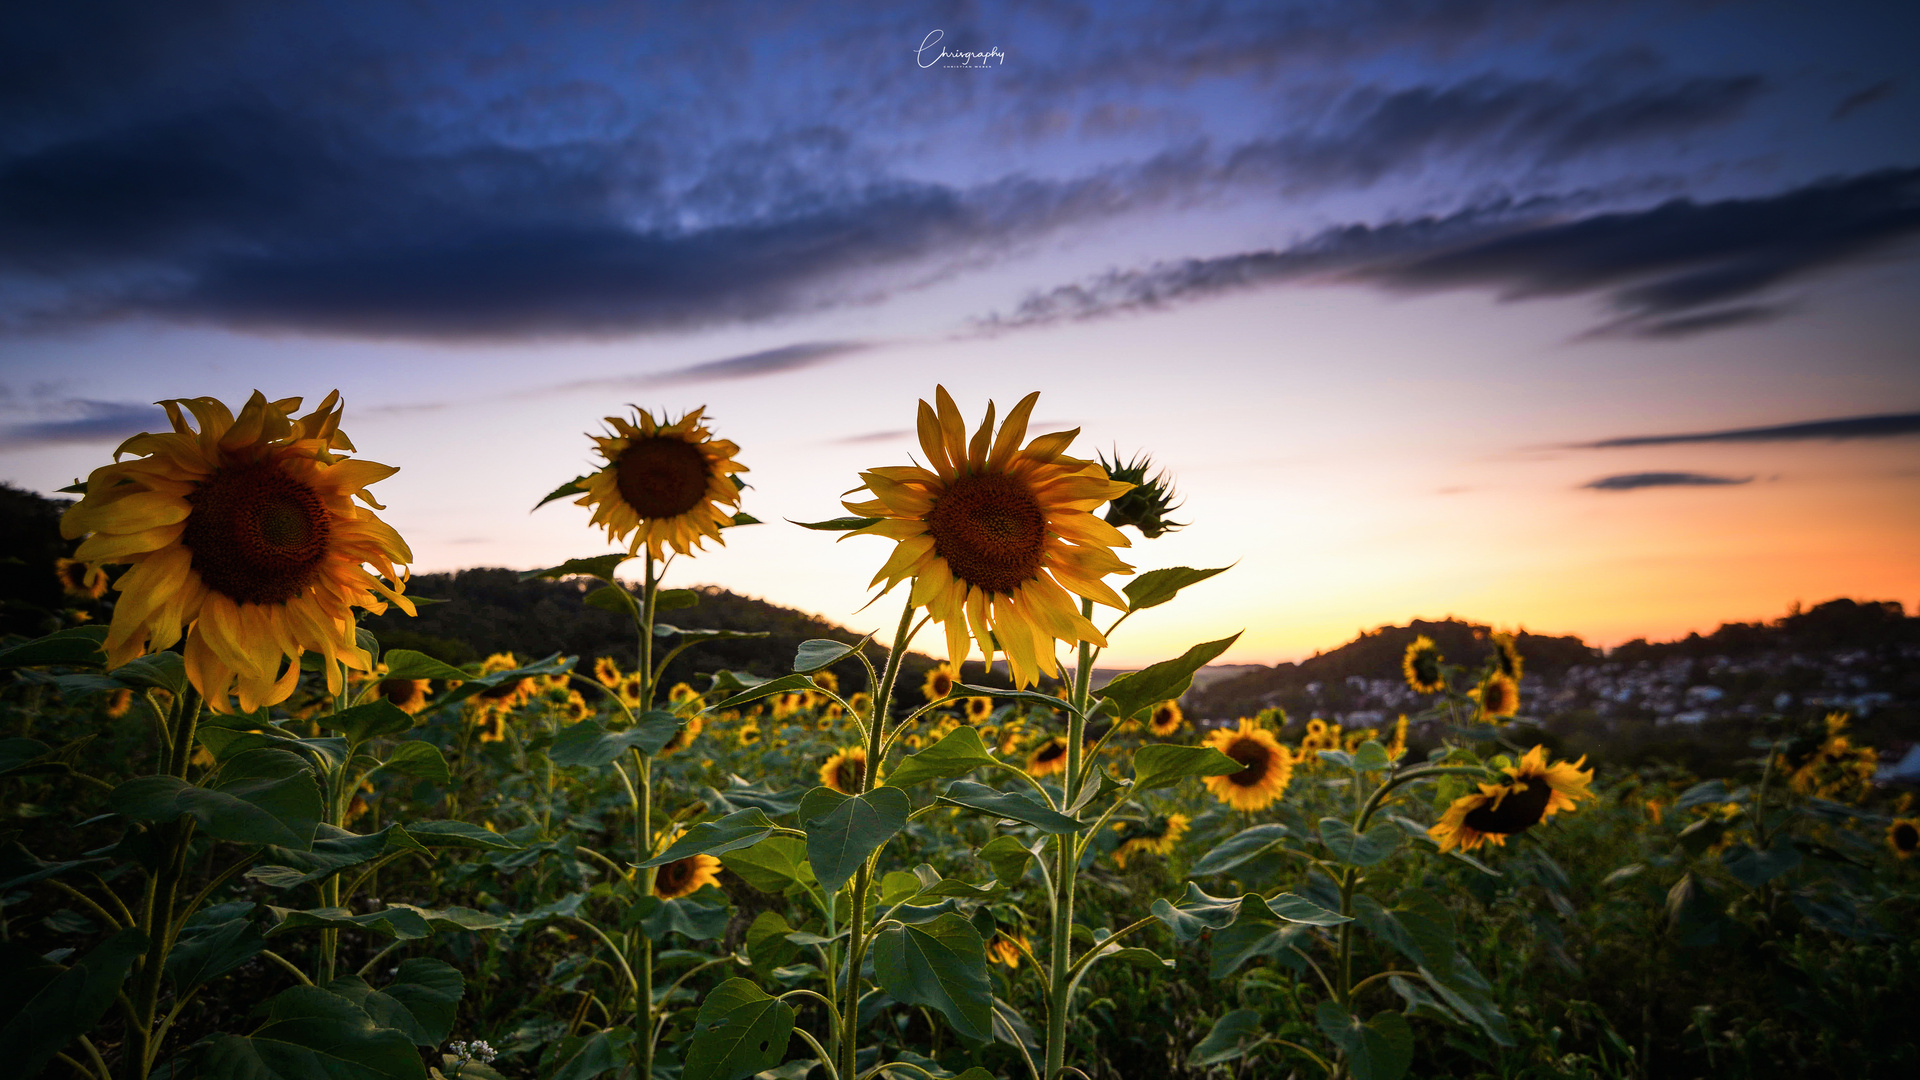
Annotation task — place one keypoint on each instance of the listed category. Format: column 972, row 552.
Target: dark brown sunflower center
column 990, row 530
column 1162, row 716
column 1906, row 837
column 849, row 774
column 1053, row 751
column 1255, row 756
column 941, row 685
column 1519, row 811
column 257, row 535
column 398, row 691
column 662, row 477
column 1426, row 668
column 673, row 877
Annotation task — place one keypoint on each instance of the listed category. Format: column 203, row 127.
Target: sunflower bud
column 1146, row 506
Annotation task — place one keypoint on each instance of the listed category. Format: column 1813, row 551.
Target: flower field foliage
column 248, row 836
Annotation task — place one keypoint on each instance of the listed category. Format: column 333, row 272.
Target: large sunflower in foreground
column 1268, row 766
column 664, row 485
column 244, row 536
column 997, row 537
column 1535, row 791
column 684, row 877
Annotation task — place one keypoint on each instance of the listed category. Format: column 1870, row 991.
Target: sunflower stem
column 1060, row 943
column 643, row 829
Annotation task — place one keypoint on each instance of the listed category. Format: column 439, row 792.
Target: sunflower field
column 246, row 840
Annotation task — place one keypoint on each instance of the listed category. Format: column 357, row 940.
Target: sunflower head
column 1008, row 949
column 492, row 724
column 508, row 695
column 606, row 671
column 1267, row 766
column 1048, row 758
column 632, row 689
column 1506, row 656
column 80, row 581
column 1903, row 836
column 664, row 485
column 748, row 734
column 244, row 537
column 846, row 771
column 1535, row 790
column 1150, row 502
column 995, row 536
column 682, row 694
column 862, row 703
column 826, row 680
column 118, row 703
column 575, row 708
column 684, row 737
column 408, row 695
column 939, row 683
column 1498, row 696
column 1157, row 837
column 1398, row 745
column 1166, row 719
column 1422, row 666
column 684, row 877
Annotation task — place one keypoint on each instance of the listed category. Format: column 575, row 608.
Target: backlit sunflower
column 118, row 703
column 995, row 536
column 575, row 708
column 508, row 695
column 1048, row 758
column 684, row 737
column 82, row 582
column 939, row 682
column 826, row 680
column 607, row 671
column 862, row 703
column 245, row 537
column 979, row 709
column 1156, row 837
column 492, row 724
column 1535, row 791
column 664, row 485
column 1004, row 950
column 1498, row 695
column 1268, row 766
column 1398, row 745
column 407, row 695
column 1422, row 666
column 1166, row 719
column 748, row 734
column 684, row 877
column 1506, row 656
column 845, row 771
column 632, row 690
column 1903, row 836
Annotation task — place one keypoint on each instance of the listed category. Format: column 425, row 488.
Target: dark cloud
column 1636, row 481
column 1676, row 268
column 1860, row 99
column 1853, row 427
column 95, row 422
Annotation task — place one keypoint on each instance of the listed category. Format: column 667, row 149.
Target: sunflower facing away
column 996, row 537
column 1268, row 766
column 684, row 877
column 1535, row 791
column 1156, row 837
column 845, row 771
column 1506, row 656
column 408, row 695
column 664, row 485
column 244, row 535
column 1903, row 836
column 1166, row 719
column 1048, row 758
column 1498, row 695
column 1422, row 666
column 1008, row 949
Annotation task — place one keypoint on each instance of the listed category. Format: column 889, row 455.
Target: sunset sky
column 1590, row 317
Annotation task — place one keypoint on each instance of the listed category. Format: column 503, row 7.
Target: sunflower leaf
column 74, row 646
column 590, row 744
column 839, row 524
column 742, row 519
column 458, row 834
column 420, row 760
column 1380, row 1049
column 1031, row 697
column 600, row 566
column 1242, row 847
column 1156, row 587
column 67, row 1003
column 401, row 921
column 408, row 664
column 941, row 964
column 1017, row 805
column 370, row 721
column 701, row 917
column 614, row 598
column 1233, row 1035
column 821, row 653
column 1359, row 849
column 843, row 830
column 743, row 828
column 162, row 670
column 263, row 797
column 957, row 754
column 1007, row 857
column 312, row 1031
column 1137, row 691
column 1161, row 765
column 773, row 865
column 739, row 1031
column 575, row 486
column 785, row 684
column 476, row 684
column 334, row 849
column 675, row 599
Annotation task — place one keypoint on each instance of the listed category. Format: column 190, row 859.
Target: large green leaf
column 1017, row 805
column 334, row 849
column 18, row 755
column 740, row 829
column 957, row 754
column 458, row 834
column 1030, row 697
column 1160, row 765
column 600, row 566
column 215, row 941
column 420, row 1002
column 1156, row 587
column 1138, row 691
column 408, row 664
column 842, row 831
column 68, row 1004
column 701, row 917
column 767, row 944
column 739, row 795
column 1229, row 1040
column 821, row 653
column 369, row 721
column 477, row 684
column 1359, row 849
column 312, row 1034
column 740, row 1030
column 263, row 797
column 161, row 670
column 1199, row 912
column 614, row 598
column 1418, row 925
column 603, row 1051
column 419, row 759
column 839, row 524
column 785, row 684
column 589, row 743
column 1468, row 993
column 941, row 964
column 1380, row 1049
column 1007, row 857
column 403, row 921
column 1754, row 868
column 74, row 647
column 1242, row 847
column 773, row 865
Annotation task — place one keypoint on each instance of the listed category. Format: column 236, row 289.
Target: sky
column 1582, row 316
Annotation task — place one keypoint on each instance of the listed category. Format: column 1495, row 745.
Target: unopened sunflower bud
column 1145, row 507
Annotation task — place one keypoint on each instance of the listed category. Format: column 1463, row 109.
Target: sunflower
column 990, row 532
column 1157, row 836
column 845, row 771
column 1048, row 758
column 1506, row 656
column 684, row 877
column 1166, row 719
column 607, row 671
column 979, row 709
column 664, row 485
column 682, row 694
column 492, row 724
column 407, row 695
column 1535, row 792
column 244, row 535
column 684, row 737
column 1422, row 666
column 939, row 682
column 632, row 690
column 82, row 582
column 1398, row 745
column 1903, row 836
column 1008, row 949
column 748, row 735
column 1498, row 695
column 862, row 703
column 118, row 703
column 1316, row 728
column 826, row 680
column 575, row 708
column 1268, row 766
column 508, row 695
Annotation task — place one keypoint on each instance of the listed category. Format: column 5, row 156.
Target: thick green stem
column 1060, row 943
column 160, row 896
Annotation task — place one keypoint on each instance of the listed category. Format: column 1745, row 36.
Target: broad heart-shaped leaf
column 1017, row 805
column 1380, row 1049
column 783, row 685
column 408, row 664
column 1156, row 587
column 941, row 964
column 1359, row 849
column 675, row 599
column 1232, row 1036
column 821, row 653
column 772, row 865
column 458, row 834
column 1419, row 926
column 767, row 944
column 161, row 670
column 264, row 797
column 601, row 1052
column 590, row 744
column 1755, row 868
column 614, row 598
column 701, row 917
column 420, row 1003
column 957, row 754
column 1242, row 847
column 1199, row 912
column 843, row 831
column 839, row 524
column 1159, row 765
column 1007, row 857
column 740, row 1030
column 1371, row 757
column 68, row 1004
column 403, row 921
column 743, row 828
column 1250, row 937
column 215, row 941
column 1165, row 681
column 314, row 1033
column 334, row 849
column 740, row 795
column 77, row 646
column 19, row 754
column 369, row 721
column 600, row 566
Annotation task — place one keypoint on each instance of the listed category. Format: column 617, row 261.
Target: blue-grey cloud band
column 1637, row 481
column 1881, row 426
